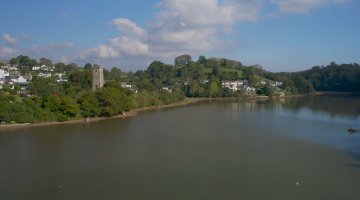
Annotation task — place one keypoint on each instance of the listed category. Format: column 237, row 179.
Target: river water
column 273, row 149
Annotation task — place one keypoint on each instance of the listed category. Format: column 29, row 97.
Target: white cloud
column 127, row 26
column 181, row 26
column 48, row 48
column 9, row 41
column 25, row 37
column 300, row 6
column 8, row 53
column 100, row 51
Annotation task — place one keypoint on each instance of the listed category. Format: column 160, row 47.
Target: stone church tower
column 98, row 78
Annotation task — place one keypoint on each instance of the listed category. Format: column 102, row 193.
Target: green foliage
column 51, row 102
column 17, row 87
column 47, row 62
column 88, row 66
column 89, row 105
column 112, row 101
column 45, row 86
column 13, row 61
column 68, row 106
column 182, row 60
column 81, row 79
column 202, row 59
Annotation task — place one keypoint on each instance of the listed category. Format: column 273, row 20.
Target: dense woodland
column 74, row 99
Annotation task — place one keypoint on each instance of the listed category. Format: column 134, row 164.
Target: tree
column 13, row 61
column 60, row 66
column 89, row 105
column 33, row 62
column 213, row 88
column 68, row 106
column 51, row 102
column 111, row 100
column 45, row 86
column 23, row 60
column 182, row 60
column 74, row 65
column 82, row 79
column 24, row 70
column 45, row 61
column 88, row 66
column 115, row 72
column 202, row 59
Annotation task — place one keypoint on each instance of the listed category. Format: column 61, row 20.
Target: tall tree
column 13, row 61
column 88, row 66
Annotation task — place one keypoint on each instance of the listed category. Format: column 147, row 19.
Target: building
column 3, row 73
column 167, row 89
column 16, row 79
column 34, row 68
column 46, row 74
column 205, row 81
column 233, row 85
column 98, row 77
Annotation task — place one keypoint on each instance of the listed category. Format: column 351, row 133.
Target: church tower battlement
column 98, row 77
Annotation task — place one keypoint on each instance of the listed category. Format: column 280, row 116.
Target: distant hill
column 4, row 61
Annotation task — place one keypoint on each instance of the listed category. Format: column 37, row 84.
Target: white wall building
column 3, row 73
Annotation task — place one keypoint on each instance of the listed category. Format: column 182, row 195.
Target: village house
column 262, row 82
column 16, row 79
column 167, row 89
column 233, row 85
column 278, row 83
column 35, row 68
column 125, row 85
column 61, row 80
column 186, row 82
column 205, row 81
column 179, row 83
column 3, row 73
column 60, row 75
column 9, row 83
column 27, row 77
column 249, row 88
column 46, row 74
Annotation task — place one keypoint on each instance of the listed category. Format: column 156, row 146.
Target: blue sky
column 280, row 35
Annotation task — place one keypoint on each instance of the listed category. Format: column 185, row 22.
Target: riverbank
column 134, row 112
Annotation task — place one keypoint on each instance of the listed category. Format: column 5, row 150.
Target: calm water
column 208, row 150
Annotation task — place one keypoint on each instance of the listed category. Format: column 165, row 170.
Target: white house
column 205, row 81
column 249, row 88
column 278, row 83
column 35, row 68
column 167, row 89
column 124, row 85
column 60, row 75
column 47, row 74
column 3, row 73
column 61, row 80
column 233, row 85
column 16, row 79
column 262, row 82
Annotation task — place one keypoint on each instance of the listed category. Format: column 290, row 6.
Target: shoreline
column 188, row 100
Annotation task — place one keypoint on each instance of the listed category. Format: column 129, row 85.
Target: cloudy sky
column 280, row 35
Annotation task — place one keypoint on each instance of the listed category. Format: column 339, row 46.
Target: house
column 1, row 84
column 186, row 82
column 27, row 78
column 16, row 79
column 61, row 80
column 179, row 83
column 205, row 81
column 47, row 74
column 167, row 89
column 249, row 88
column 60, row 75
column 10, row 83
column 35, row 68
column 262, row 82
column 125, row 85
column 3, row 73
column 233, row 85
column 278, row 83
column 22, row 91
column 23, row 85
